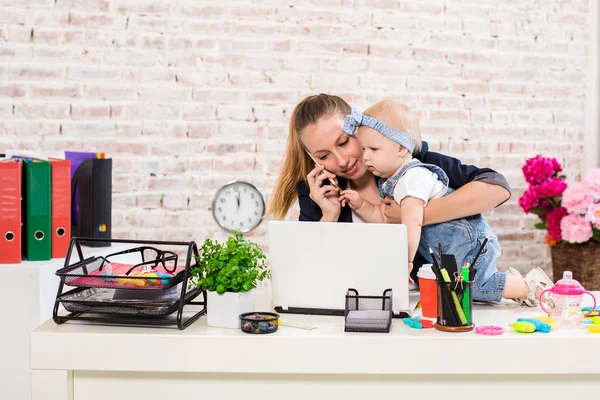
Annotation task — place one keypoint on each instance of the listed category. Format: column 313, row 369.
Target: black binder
column 93, row 182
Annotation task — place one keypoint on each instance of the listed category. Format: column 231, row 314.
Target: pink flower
column 575, row 229
column 529, row 200
column 556, row 165
column 593, row 215
column 538, row 169
column 551, row 188
column 576, row 199
column 553, row 222
column 592, row 182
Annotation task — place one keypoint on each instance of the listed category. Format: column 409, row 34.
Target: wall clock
column 238, row 205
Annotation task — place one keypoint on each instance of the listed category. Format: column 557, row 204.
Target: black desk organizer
column 368, row 313
column 134, row 299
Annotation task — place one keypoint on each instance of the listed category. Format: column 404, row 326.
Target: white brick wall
column 187, row 95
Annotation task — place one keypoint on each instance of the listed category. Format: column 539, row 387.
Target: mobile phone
column 331, row 180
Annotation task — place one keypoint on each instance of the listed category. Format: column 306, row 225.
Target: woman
column 316, row 130
column 316, row 134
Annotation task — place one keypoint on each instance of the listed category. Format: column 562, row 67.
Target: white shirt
column 420, row 183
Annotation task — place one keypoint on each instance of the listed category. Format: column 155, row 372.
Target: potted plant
column 571, row 216
column 229, row 272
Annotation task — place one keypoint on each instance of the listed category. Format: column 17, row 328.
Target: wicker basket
column 582, row 259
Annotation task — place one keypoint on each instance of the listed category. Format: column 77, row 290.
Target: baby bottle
column 565, row 301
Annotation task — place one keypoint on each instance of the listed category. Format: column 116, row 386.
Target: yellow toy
column 594, row 328
column 523, row 327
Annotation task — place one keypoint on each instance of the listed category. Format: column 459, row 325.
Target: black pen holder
column 454, row 306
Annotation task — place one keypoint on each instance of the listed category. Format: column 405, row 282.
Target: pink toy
column 566, row 299
column 489, row 330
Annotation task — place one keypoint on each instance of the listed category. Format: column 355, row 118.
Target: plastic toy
column 489, row 330
column 418, row 323
column 540, row 326
column 590, row 308
column 108, row 276
column 523, row 327
column 549, row 320
column 594, row 328
column 165, row 278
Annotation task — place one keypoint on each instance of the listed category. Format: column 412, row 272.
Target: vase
column 582, row 259
column 223, row 310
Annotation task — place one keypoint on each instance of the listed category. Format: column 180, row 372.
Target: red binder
column 10, row 212
column 60, row 206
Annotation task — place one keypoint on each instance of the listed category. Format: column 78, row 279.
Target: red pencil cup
column 428, row 291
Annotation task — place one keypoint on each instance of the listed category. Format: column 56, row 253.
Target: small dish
column 259, row 322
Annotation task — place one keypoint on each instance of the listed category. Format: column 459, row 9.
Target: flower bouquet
column 569, row 213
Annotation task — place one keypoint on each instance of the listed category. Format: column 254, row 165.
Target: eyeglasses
column 150, row 256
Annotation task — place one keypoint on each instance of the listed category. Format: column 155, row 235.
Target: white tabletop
column 326, row 349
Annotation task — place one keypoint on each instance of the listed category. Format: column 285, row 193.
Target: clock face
column 238, row 205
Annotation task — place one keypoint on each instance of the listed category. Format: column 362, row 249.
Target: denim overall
column 461, row 237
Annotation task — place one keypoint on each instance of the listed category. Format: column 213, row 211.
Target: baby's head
column 383, row 153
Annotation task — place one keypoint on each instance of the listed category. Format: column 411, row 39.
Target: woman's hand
column 392, row 211
column 325, row 196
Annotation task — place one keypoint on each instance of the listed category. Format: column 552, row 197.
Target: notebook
column 313, row 264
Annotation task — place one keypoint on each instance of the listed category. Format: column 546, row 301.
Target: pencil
column 479, row 251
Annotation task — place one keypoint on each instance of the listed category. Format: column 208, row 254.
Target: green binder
column 37, row 217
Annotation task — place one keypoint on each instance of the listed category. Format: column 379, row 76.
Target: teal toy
column 165, row 278
column 418, row 323
column 540, row 326
column 108, row 276
column 589, row 309
column 413, row 322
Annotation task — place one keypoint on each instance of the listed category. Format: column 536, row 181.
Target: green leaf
column 220, row 289
column 596, row 235
column 541, row 225
column 537, row 211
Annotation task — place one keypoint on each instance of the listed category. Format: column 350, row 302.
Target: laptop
column 313, row 264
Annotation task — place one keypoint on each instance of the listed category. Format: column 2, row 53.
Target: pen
column 479, row 251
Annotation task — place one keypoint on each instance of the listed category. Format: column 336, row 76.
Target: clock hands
column 238, row 201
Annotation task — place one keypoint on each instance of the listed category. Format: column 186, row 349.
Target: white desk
column 75, row 361
column 28, row 297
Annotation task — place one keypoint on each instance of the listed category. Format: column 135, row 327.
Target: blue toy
column 539, row 325
column 413, row 322
column 165, row 278
column 107, row 276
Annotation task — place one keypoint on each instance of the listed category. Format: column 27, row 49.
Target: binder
column 60, row 206
column 37, row 216
column 10, row 212
column 93, row 182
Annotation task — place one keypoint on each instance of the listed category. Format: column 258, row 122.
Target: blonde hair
column 296, row 163
column 399, row 117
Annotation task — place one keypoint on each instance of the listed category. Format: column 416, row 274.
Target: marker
column 466, row 300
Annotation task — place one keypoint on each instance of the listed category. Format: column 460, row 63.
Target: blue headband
column 356, row 119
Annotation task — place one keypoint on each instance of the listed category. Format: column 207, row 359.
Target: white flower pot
column 223, row 310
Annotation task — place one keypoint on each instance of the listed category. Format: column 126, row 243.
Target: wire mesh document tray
column 110, row 289
column 368, row 313
column 156, row 270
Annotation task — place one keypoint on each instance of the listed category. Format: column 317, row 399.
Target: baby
column 389, row 134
